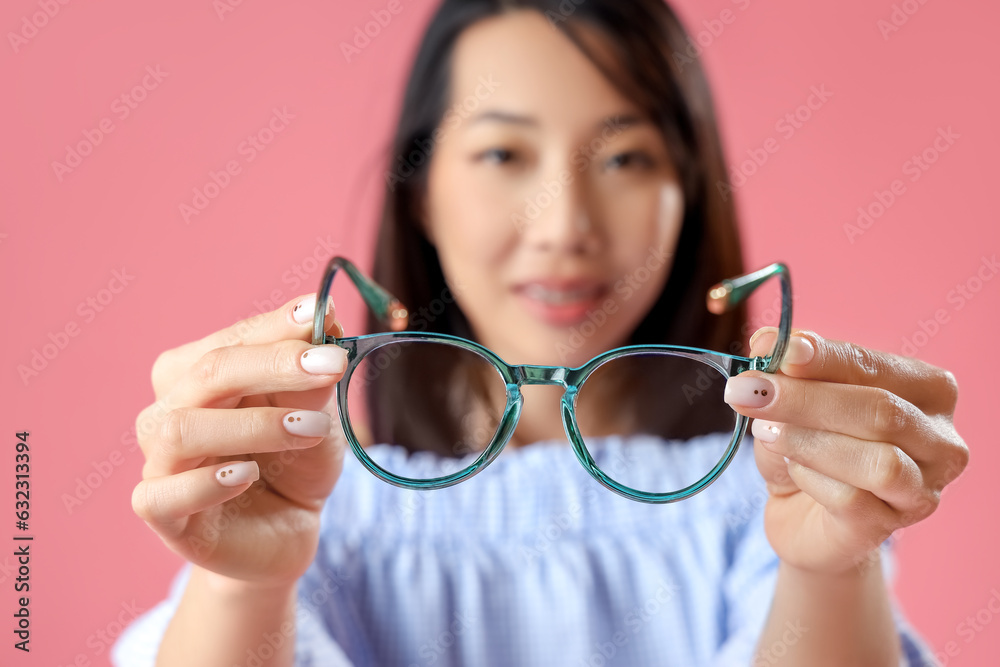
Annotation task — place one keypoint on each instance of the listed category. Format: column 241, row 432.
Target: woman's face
column 551, row 200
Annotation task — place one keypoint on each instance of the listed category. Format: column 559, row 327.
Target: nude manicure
column 748, row 392
column 305, row 310
column 307, row 423
column 324, row 360
column 236, row 473
column 765, row 431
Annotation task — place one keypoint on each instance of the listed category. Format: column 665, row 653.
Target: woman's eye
column 629, row 159
column 496, row 156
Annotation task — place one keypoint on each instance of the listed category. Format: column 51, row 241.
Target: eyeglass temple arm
column 721, row 297
column 385, row 306
column 728, row 293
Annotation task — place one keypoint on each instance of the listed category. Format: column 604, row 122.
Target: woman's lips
column 561, row 302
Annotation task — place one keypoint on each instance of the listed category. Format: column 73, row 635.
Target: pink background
column 63, row 237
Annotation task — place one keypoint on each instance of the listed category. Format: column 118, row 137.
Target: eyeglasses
column 653, row 425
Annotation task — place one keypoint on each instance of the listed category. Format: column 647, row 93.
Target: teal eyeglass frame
column 388, row 309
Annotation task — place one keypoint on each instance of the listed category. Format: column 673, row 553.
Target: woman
column 507, row 100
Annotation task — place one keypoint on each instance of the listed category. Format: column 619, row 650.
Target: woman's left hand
column 869, row 441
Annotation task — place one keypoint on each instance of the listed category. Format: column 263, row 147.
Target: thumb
column 762, row 341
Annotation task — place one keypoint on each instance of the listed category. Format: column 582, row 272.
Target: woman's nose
column 559, row 217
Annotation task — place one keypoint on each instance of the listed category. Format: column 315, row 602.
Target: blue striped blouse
column 532, row 562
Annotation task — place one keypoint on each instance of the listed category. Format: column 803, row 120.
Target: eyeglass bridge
column 528, row 374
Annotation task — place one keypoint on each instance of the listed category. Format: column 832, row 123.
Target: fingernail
column 800, row 351
column 763, row 340
column 307, row 423
column 748, row 392
column 236, row 473
column 324, row 360
column 765, row 431
column 305, row 310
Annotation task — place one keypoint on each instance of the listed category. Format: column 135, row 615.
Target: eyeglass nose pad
column 567, row 410
column 508, row 422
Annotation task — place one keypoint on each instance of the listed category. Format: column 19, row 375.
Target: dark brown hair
column 673, row 91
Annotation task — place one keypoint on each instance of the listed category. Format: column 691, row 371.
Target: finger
column 166, row 503
column 932, row 389
column 187, row 436
column 774, row 470
column 877, row 467
column 291, row 321
column 224, row 375
column 868, row 413
column 864, row 520
column 148, row 424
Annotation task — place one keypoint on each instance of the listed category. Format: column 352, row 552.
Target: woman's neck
column 541, row 415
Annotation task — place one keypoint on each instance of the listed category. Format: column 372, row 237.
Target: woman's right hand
column 257, row 392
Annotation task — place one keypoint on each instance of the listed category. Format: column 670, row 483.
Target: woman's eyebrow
column 620, row 121
column 503, row 117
